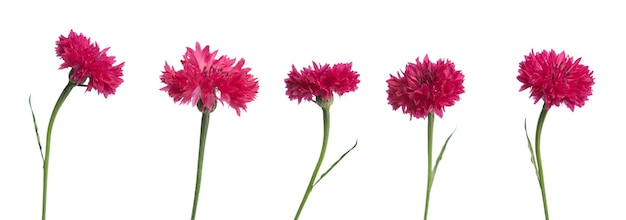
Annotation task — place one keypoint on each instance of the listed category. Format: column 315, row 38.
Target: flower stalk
column 431, row 174
column 204, row 125
column 326, row 116
column 542, row 185
column 432, row 171
column 64, row 94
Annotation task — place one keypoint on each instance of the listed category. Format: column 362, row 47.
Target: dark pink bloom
column 321, row 81
column 89, row 62
column 206, row 79
column 425, row 87
column 556, row 78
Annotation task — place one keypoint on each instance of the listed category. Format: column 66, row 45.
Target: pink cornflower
column 206, row 79
column 321, row 81
column 425, row 87
column 556, row 78
column 89, row 62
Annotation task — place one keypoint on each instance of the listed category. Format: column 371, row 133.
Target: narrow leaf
column 441, row 153
column 532, row 153
column 36, row 129
column 336, row 162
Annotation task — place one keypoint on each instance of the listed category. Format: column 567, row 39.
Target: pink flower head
column 206, row 79
column 425, row 87
column 89, row 62
column 556, row 78
column 321, row 81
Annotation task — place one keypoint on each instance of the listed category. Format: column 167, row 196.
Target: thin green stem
column 66, row 91
column 542, row 118
column 326, row 115
column 203, row 131
column 431, row 123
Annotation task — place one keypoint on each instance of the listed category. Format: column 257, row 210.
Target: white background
column 133, row 155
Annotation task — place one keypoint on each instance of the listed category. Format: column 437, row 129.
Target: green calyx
column 204, row 109
column 325, row 103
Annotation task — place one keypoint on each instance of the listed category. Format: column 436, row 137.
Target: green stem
column 203, row 131
column 326, row 115
column 66, row 91
column 542, row 118
column 431, row 123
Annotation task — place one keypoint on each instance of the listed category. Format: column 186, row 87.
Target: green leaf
column 441, row 153
column 532, row 153
column 36, row 129
column 336, row 162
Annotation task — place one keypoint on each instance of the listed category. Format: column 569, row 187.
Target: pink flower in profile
column 556, row 78
column 89, row 62
column 321, row 81
column 425, row 87
column 206, row 79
